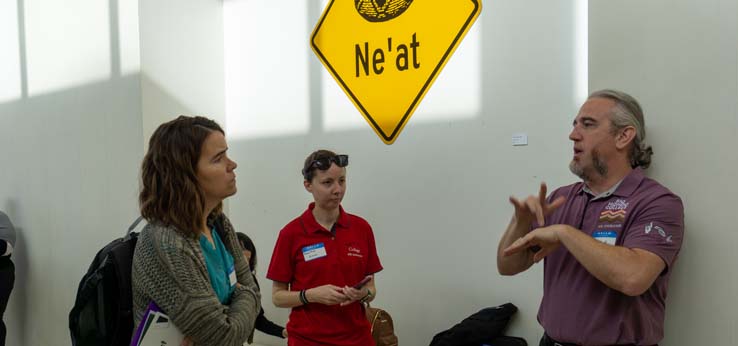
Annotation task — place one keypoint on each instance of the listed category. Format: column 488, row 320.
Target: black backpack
column 483, row 327
column 103, row 309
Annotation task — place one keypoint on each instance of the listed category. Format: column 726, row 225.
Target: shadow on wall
column 81, row 150
column 69, row 181
column 70, row 188
column 439, row 181
column 160, row 106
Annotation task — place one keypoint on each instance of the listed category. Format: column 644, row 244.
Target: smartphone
column 363, row 282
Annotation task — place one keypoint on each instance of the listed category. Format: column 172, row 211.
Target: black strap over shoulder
column 133, row 225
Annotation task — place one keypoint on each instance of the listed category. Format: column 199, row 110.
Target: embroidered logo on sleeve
column 651, row 228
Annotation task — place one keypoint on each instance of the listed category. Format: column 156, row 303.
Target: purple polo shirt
column 578, row 308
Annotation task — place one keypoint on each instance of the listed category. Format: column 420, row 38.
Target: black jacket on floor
column 483, row 327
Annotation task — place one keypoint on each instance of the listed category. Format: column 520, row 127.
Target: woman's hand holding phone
column 357, row 292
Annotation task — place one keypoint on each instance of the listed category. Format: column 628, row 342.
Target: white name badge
column 607, row 237
column 232, row 275
column 314, row 251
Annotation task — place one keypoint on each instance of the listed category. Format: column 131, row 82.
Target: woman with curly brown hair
column 187, row 259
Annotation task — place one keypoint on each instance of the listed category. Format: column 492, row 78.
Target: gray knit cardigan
column 169, row 268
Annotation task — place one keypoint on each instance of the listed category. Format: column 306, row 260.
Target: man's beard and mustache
column 599, row 166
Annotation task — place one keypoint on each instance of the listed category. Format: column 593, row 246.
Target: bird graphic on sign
column 381, row 10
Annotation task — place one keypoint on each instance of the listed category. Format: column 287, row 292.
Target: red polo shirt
column 306, row 256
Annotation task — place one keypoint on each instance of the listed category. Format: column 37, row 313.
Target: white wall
column 81, row 98
column 76, row 108
column 181, row 61
column 437, row 198
column 679, row 58
column 70, row 144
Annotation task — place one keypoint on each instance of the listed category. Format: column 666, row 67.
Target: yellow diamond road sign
column 385, row 54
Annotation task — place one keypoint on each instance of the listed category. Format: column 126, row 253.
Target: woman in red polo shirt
column 319, row 259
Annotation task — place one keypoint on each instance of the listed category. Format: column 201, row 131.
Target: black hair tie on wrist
column 303, row 298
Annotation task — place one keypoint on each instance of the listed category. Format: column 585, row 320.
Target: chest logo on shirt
column 354, row 252
column 614, row 211
column 612, row 216
column 618, row 204
column 314, row 251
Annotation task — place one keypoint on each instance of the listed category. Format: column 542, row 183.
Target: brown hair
column 170, row 193
column 308, row 171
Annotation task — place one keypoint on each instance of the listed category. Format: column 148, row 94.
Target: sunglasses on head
column 324, row 163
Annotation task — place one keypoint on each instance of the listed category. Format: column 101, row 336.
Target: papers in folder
column 156, row 329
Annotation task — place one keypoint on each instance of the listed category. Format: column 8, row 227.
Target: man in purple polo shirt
column 609, row 242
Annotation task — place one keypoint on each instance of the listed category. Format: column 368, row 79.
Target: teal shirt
column 220, row 265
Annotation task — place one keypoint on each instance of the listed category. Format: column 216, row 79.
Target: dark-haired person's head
column 186, row 174
column 248, row 248
column 321, row 160
column 324, row 174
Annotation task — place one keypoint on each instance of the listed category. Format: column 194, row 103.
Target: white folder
column 156, row 329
